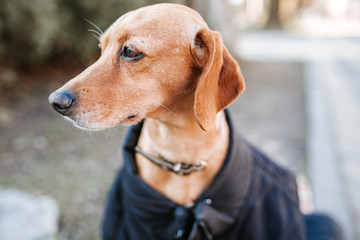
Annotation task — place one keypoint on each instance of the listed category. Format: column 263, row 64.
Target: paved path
column 332, row 74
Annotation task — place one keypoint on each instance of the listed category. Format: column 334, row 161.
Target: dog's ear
column 220, row 82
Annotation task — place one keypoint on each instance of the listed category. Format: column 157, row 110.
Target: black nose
column 61, row 101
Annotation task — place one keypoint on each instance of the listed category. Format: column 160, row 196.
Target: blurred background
column 301, row 62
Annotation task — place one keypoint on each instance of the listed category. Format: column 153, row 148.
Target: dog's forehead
column 168, row 22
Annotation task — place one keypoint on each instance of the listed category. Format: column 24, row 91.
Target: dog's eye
column 130, row 54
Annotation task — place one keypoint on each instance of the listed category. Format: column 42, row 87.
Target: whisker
column 94, row 26
column 94, row 31
column 161, row 105
column 97, row 37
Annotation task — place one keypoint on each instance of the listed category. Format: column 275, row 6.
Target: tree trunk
column 217, row 15
column 274, row 20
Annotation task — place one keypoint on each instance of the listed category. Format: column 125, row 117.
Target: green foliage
column 38, row 31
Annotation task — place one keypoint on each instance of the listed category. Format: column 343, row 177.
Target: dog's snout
column 61, row 101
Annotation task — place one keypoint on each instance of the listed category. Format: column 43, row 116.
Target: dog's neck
column 187, row 144
column 179, row 140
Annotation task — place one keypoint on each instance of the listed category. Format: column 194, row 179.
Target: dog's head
column 154, row 58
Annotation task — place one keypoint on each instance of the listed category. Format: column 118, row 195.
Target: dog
column 187, row 173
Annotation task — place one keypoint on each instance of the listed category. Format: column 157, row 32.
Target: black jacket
column 250, row 198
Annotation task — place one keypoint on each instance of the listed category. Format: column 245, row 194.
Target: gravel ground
column 271, row 112
column 42, row 154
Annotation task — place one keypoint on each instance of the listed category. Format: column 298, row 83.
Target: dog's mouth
column 131, row 119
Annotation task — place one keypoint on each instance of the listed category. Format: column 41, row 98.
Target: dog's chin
column 98, row 126
column 86, row 128
column 90, row 127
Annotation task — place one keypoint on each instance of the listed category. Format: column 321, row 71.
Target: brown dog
column 174, row 72
column 163, row 64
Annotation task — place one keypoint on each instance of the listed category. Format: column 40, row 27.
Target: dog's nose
column 61, row 101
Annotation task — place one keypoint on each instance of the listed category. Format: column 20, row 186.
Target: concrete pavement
column 332, row 86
